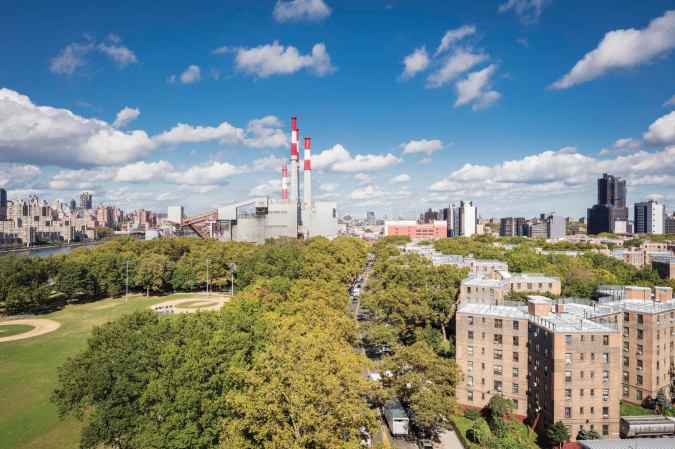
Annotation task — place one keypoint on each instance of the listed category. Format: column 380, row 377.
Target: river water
column 44, row 252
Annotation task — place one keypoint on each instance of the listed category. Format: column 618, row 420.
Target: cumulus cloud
column 528, row 11
column 662, row 131
column 143, row 171
column 301, row 11
column 415, row 62
column 120, row 54
column 70, row 58
column 454, row 65
column 47, row 135
column 191, row 74
column 328, row 187
column 400, row 179
column 455, row 35
column 208, row 173
column 621, row 49
column 623, row 146
column 669, row 102
column 266, row 132
column 69, row 179
column 276, row 59
column 267, row 163
column 267, row 188
column 339, row 159
column 367, row 192
column 184, row 133
column 167, row 196
column 475, row 87
column 12, row 175
column 421, row 146
column 126, row 116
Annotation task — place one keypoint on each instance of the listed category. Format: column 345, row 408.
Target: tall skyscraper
column 85, row 200
column 370, row 217
column 462, row 219
column 73, row 205
column 3, row 204
column 649, row 217
column 512, row 226
column 611, row 206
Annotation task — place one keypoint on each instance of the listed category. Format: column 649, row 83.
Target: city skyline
column 516, row 109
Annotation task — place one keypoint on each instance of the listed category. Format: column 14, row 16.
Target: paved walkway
column 449, row 440
column 40, row 326
column 196, row 300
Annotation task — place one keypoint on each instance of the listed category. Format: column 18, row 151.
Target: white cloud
column 623, row 48
column 421, row 146
column 267, row 163
column 167, row 196
column 80, row 179
column 184, row 133
column 275, row 59
column 71, row 58
column 120, row 54
column 662, row 131
column 415, row 62
column 339, row 159
column 669, row 102
column 528, row 11
column 17, row 175
column 266, row 132
column 267, row 188
column 455, row 35
column 474, row 87
column 47, row 135
column 426, row 160
column 191, row 75
column 204, row 174
column 126, row 116
column 301, row 11
column 399, row 179
column 623, row 146
column 367, row 192
column 454, row 65
column 328, row 187
column 143, row 171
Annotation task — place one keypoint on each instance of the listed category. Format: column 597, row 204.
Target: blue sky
column 522, row 108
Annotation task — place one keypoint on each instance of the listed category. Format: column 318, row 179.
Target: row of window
column 498, row 322
column 568, row 376
column 568, row 357
column 605, row 339
column 568, row 393
column 497, row 354
column 496, row 369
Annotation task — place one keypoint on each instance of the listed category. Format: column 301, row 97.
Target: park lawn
column 462, row 425
column 626, row 409
column 28, row 373
column 13, row 329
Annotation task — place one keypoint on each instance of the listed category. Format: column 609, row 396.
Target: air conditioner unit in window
column 606, row 398
column 605, row 380
column 639, row 368
column 605, row 416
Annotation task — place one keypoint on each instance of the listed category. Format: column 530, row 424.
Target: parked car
column 425, row 444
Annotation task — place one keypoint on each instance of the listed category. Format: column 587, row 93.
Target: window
column 626, row 332
column 639, row 349
column 469, row 351
column 605, row 358
column 581, row 356
column 469, row 395
column 605, row 429
column 626, row 316
column 639, row 365
column 469, row 381
column 605, row 394
column 470, row 320
column 625, row 391
column 568, row 394
column 605, row 340
column 568, row 358
column 581, row 412
column 514, row 388
column 497, row 369
column 581, row 374
column 581, row 392
column 515, row 341
column 515, row 372
column 469, row 366
column 498, row 385
column 568, row 412
column 640, row 319
column 592, row 355
column 625, row 361
column 516, row 357
column 515, row 403
column 498, row 323
column 497, row 354
column 605, row 412
column 626, row 377
column 640, row 334
column 638, row 394
column 626, row 346
column 639, row 380
column 516, row 325
column 568, row 339
column 498, row 339
column 568, row 376
column 592, row 394
column 470, row 335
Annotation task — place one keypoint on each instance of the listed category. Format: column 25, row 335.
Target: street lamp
column 207, row 277
column 126, row 293
column 233, row 269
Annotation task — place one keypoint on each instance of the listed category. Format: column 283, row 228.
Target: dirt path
column 40, row 326
column 169, row 305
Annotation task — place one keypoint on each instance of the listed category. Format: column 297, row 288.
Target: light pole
column 126, row 293
column 233, row 269
column 207, row 277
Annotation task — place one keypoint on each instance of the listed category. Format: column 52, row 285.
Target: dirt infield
column 40, row 326
column 173, row 305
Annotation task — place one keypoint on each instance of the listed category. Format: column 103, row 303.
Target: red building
column 415, row 230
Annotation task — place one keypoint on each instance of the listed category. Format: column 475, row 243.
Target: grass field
column 14, row 329
column 28, row 374
column 627, row 409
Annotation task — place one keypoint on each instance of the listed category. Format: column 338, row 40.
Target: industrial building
column 258, row 219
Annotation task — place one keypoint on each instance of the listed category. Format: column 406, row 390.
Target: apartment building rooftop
column 507, row 311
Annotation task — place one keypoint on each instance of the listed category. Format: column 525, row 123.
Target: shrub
column 472, row 414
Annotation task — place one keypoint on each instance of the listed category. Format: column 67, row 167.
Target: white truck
column 396, row 417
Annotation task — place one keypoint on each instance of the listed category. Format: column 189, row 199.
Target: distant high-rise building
column 175, row 214
column 649, row 217
column 85, row 200
column 73, row 205
column 556, row 226
column 370, row 218
column 611, row 205
column 3, row 204
column 512, row 226
column 462, row 219
column 669, row 224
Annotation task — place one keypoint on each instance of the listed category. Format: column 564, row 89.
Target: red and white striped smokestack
column 308, row 172
column 284, row 182
column 294, row 123
column 295, row 167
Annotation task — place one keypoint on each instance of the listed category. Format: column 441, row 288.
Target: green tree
column 153, row 273
column 558, row 433
column 588, row 434
column 74, row 279
column 479, row 432
column 662, row 403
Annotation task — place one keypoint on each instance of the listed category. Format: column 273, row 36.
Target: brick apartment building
column 497, row 285
column 569, row 360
